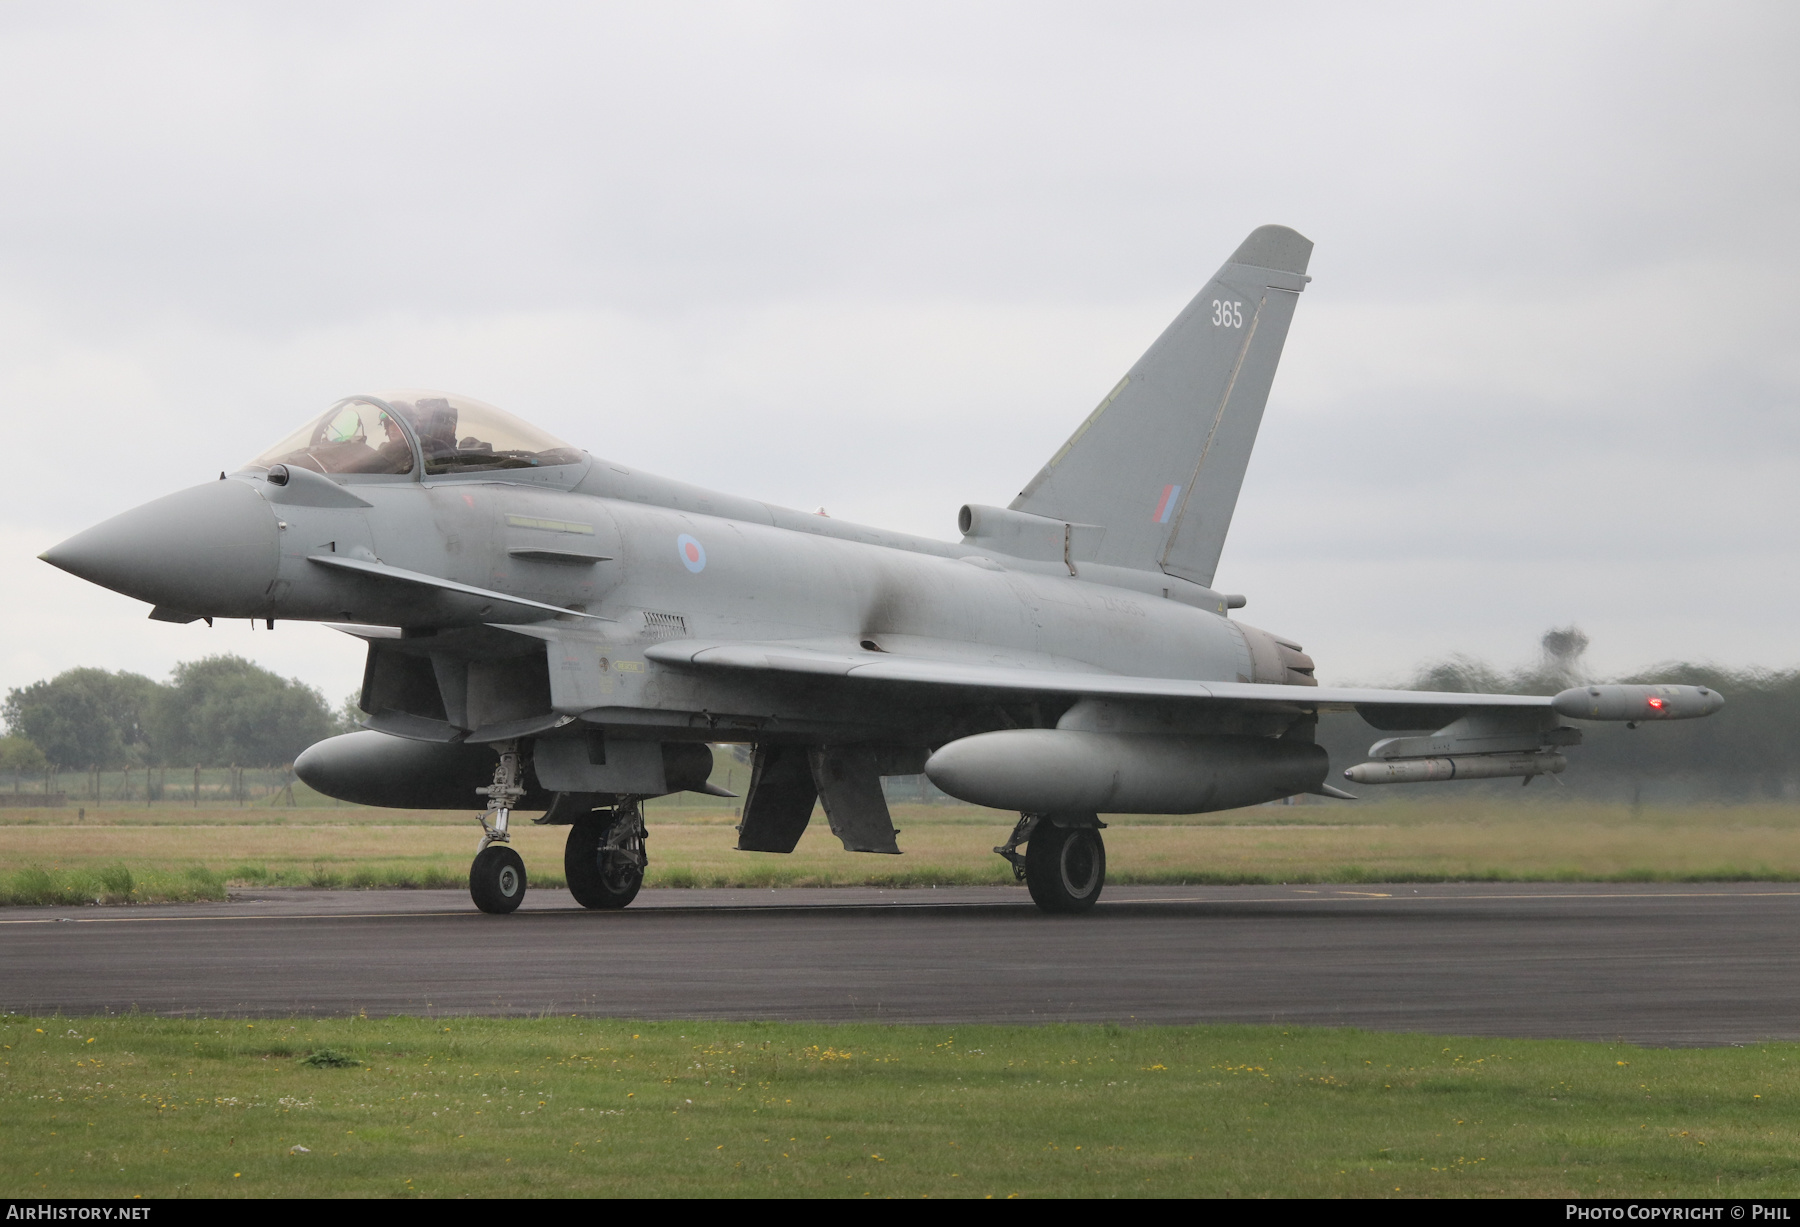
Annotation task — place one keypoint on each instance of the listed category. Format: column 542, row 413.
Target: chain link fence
column 177, row 787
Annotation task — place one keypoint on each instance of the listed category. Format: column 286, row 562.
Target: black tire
column 596, row 878
column 1065, row 867
column 497, row 880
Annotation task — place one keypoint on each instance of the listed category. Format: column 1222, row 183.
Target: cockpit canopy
column 395, row 432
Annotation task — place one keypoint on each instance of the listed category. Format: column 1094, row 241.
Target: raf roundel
column 692, row 553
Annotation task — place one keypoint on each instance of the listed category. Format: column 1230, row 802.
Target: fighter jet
column 553, row 631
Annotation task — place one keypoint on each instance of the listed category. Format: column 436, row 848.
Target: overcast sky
column 883, row 258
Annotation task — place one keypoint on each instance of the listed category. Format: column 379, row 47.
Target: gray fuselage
column 762, row 574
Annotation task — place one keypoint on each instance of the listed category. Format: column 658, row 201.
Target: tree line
column 217, row 712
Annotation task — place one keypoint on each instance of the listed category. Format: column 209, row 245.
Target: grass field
column 141, row 855
column 125, row 1106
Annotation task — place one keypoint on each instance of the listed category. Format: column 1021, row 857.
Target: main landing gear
column 604, row 858
column 1064, row 862
column 497, row 878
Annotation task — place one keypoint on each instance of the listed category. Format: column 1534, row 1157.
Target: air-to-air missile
column 553, row 632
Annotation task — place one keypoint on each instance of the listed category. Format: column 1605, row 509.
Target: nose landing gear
column 497, row 878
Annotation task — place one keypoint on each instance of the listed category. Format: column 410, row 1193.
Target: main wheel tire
column 1065, row 867
column 599, row 879
column 497, row 880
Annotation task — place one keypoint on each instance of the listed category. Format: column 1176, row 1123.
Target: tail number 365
column 1228, row 314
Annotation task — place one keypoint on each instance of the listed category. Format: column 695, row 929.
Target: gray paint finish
column 1160, row 461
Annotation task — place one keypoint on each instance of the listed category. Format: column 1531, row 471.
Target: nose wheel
column 497, row 880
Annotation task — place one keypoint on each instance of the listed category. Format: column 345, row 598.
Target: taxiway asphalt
column 1657, row 964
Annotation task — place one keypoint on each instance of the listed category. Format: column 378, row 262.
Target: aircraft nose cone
column 211, row 551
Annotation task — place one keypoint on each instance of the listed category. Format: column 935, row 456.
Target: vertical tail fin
column 1159, row 463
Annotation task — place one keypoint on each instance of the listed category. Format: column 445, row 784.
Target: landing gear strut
column 604, row 858
column 497, row 878
column 1064, row 862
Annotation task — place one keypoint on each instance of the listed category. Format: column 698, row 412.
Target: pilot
column 436, row 424
column 397, row 451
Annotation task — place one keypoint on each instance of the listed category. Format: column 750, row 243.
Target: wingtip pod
column 1276, row 247
column 1622, row 702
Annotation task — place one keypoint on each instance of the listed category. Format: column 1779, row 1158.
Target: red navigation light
column 1656, row 704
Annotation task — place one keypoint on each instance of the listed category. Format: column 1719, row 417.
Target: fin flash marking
column 1165, row 506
